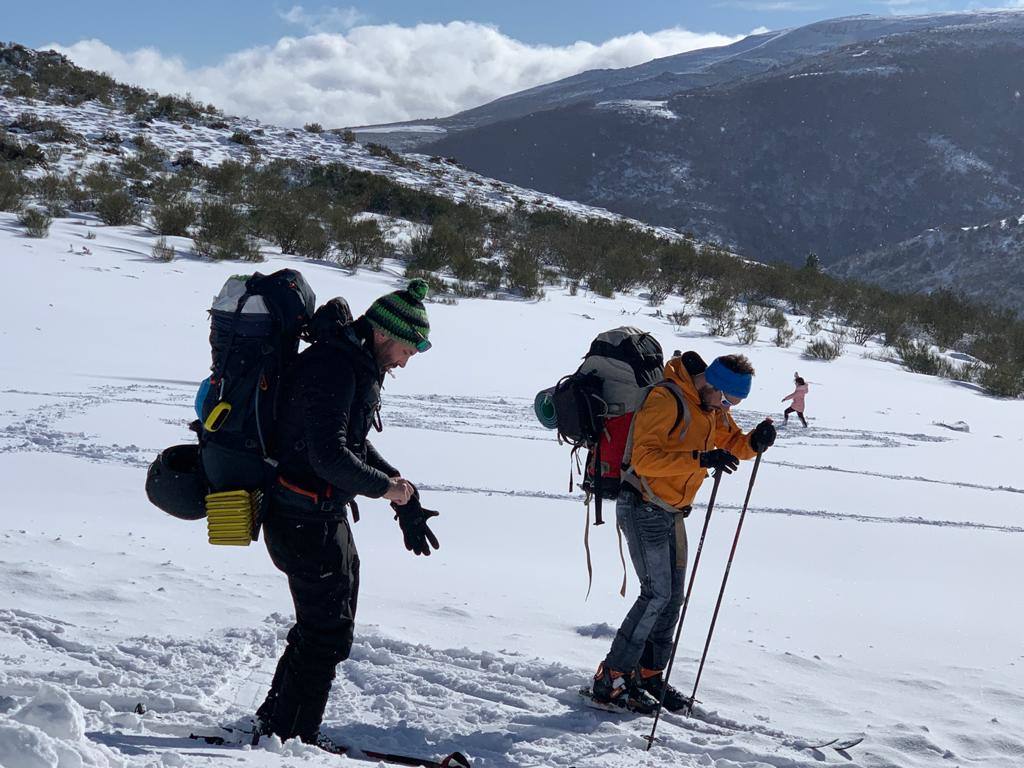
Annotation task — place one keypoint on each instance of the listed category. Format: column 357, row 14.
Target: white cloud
column 331, row 20
column 771, row 5
column 375, row 74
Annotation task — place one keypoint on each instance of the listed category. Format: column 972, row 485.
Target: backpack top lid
column 233, row 289
column 628, row 361
column 284, row 294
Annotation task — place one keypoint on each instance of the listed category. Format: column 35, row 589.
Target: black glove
column 719, row 459
column 763, row 436
column 412, row 518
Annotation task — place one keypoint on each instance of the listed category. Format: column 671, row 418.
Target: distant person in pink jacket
column 797, row 396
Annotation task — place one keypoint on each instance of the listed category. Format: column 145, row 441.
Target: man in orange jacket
column 683, row 429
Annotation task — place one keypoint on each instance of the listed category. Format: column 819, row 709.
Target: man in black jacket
column 330, row 398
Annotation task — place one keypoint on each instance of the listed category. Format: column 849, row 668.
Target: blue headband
column 730, row 382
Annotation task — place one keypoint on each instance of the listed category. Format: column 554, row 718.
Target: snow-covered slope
column 874, row 588
column 213, row 145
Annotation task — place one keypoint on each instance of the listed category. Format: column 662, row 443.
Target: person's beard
column 703, row 393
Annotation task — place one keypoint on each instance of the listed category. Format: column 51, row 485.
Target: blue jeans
column 658, row 551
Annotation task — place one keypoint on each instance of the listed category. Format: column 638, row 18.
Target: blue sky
column 394, row 60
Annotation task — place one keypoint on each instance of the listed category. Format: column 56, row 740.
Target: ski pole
column 686, row 602
column 725, row 578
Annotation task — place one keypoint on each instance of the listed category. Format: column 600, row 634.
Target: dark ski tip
column 454, row 760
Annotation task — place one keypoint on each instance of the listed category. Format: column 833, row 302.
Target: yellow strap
column 217, row 416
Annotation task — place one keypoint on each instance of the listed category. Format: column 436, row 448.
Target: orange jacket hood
column 667, row 448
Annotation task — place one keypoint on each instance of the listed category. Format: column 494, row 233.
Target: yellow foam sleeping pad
column 231, row 516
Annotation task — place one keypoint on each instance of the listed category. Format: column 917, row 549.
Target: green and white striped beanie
column 401, row 314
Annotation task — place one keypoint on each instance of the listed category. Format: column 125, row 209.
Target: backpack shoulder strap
column 683, row 410
column 629, row 475
column 682, row 416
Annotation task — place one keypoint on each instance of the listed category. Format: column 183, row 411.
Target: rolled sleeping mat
column 544, row 407
column 231, row 517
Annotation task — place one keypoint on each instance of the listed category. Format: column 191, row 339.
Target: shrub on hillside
column 185, row 159
column 162, row 250
column 312, row 240
column 719, row 311
column 760, row 313
column 671, row 269
column 435, row 286
column 79, row 197
column 1004, row 379
column 52, row 192
column 117, row 208
column 14, row 151
column 149, row 155
column 223, row 233
column 918, row 356
column 784, row 336
column 776, row 318
column 358, row 242
column 746, row 331
column 968, row 371
column 36, row 222
column 243, row 138
column 602, row 286
column 176, row 108
column 380, row 150
column 313, row 128
column 522, row 271
column 100, row 180
column 23, row 86
column 678, row 319
column 823, row 349
column 51, row 130
column 455, row 242
column 861, row 334
column 283, row 214
column 12, row 189
column 173, row 215
column 225, row 179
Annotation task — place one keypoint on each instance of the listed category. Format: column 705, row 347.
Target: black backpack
column 256, row 323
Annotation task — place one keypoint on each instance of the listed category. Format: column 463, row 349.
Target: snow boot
column 322, row 741
column 620, row 690
column 653, row 681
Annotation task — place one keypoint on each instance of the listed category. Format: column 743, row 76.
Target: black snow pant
column 322, row 566
column 798, row 413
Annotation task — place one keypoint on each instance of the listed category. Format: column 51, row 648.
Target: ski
column 844, row 744
column 838, row 743
column 454, row 760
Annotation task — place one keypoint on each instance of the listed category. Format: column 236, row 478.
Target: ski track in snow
column 507, row 711
column 390, row 695
column 38, row 429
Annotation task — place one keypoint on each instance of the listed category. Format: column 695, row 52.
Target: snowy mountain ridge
column 806, row 153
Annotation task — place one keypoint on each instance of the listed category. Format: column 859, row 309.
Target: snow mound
column 49, row 732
